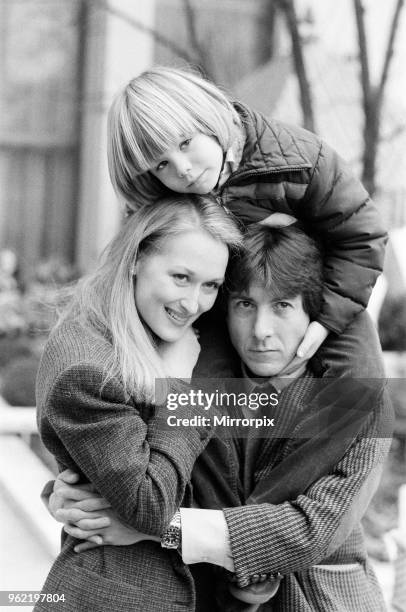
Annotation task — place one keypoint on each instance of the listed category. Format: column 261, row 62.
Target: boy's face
column 266, row 331
column 192, row 166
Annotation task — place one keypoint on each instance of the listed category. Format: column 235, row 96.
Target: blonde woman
column 126, row 325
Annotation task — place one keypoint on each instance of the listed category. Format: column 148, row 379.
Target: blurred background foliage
column 27, row 313
column 392, row 323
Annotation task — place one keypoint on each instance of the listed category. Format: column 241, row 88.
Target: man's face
column 266, row 331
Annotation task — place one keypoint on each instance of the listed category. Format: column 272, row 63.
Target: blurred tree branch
column 389, row 49
column 373, row 95
column 202, row 55
column 287, row 7
column 141, row 27
column 199, row 56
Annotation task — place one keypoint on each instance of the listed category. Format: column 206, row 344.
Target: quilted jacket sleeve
column 339, row 211
column 141, row 469
column 294, row 535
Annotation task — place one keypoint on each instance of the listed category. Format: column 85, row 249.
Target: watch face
column 171, row 538
column 173, row 535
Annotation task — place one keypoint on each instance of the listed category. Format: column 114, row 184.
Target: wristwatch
column 172, row 537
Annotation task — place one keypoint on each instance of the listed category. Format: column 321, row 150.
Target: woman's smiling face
column 179, row 282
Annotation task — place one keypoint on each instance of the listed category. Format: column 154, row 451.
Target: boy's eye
column 161, row 166
column 185, row 143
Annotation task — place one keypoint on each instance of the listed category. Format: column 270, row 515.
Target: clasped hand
column 88, row 516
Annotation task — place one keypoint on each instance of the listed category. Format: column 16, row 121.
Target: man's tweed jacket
column 144, row 473
column 312, row 537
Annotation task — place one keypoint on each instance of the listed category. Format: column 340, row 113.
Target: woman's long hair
column 103, row 302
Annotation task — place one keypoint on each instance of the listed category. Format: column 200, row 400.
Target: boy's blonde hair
column 151, row 114
column 104, row 301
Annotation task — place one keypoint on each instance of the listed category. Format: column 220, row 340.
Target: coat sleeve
column 338, row 210
column 294, row 535
column 141, row 469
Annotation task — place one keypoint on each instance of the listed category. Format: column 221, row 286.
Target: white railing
column 23, row 475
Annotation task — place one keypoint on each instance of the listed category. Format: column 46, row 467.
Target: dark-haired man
column 315, row 489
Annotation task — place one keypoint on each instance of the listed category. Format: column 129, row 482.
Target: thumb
column 69, row 476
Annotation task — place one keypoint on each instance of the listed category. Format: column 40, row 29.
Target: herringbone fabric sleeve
column 295, row 535
column 141, row 469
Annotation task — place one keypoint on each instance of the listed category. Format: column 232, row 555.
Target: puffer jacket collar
column 270, row 147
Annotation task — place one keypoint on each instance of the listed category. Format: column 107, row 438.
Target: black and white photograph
column 203, row 305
